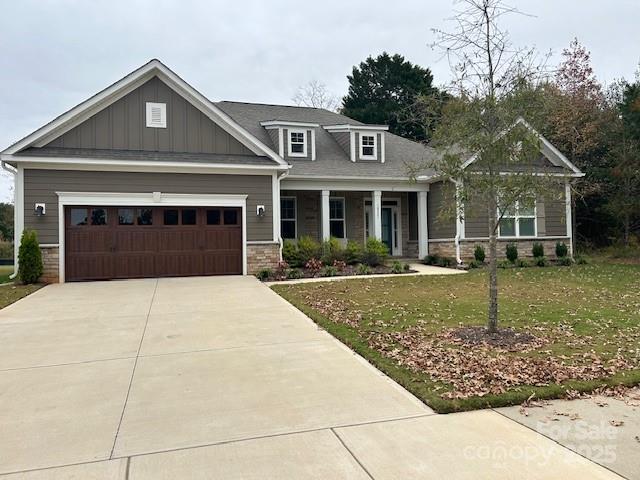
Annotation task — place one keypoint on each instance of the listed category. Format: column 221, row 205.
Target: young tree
column 383, row 90
column 315, row 94
column 485, row 122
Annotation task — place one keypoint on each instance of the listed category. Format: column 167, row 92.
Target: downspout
column 13, row 172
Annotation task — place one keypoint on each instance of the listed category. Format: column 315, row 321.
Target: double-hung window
column 368, row 146
column 288, row 217
column 519, row 220
column 297, row 143
column 336, row 217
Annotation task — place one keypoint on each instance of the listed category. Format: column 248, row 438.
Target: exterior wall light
column 40, row 209
column 261, row 211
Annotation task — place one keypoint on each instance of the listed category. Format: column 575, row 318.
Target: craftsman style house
column 150, row 178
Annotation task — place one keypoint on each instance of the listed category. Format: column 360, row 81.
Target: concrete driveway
column 220, row 378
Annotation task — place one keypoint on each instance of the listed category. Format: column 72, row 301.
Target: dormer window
column 368, row 146
column 297, row 143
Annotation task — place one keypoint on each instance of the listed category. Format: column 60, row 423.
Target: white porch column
column 376, row 214
column 423, row 225
column 324, row 214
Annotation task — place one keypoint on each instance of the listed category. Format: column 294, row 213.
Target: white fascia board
column 130, row 82
column 354, row 186
column 149, row 199
column 348, row 127
column 140, row 166
column 560, row 159
column 270, row 124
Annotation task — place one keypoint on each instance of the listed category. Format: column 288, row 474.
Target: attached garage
column 104, row 242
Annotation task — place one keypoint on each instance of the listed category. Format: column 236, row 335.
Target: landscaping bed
column 310, row 259
column 565, row 330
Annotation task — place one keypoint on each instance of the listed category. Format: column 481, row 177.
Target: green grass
column 580, row 311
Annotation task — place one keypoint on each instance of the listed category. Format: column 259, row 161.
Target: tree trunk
column 493, row 269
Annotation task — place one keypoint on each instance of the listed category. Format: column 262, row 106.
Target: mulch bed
column 505, row 338
column 348, row 271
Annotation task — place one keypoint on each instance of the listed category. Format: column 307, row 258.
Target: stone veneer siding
column 50, row 261
column 262, row 255
column 448, row 249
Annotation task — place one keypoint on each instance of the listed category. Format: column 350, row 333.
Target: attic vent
column 156, row 115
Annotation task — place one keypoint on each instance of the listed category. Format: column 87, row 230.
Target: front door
column 387, row 228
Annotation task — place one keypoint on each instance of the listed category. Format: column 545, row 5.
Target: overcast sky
column 55, row 54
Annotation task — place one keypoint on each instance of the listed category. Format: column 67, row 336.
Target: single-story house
column 150, row 178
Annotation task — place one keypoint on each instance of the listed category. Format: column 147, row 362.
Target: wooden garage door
column 134, row 242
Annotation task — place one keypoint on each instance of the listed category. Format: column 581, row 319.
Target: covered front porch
column 397, row 218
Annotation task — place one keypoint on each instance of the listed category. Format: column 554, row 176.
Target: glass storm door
column 387, row 228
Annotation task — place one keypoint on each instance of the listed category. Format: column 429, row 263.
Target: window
column 171, row 217
column 213, row 217
column 126, row 216
column 519, row 220
column 145, row 216
column 297, row 143
column 189, row 216
column 368, row 146
column 156, row 115
column 288, row 217
column 336, row 217
column 98, row 216
column 78, row 216
column 230, row 217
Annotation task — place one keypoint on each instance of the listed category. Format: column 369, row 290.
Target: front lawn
column 575, row 328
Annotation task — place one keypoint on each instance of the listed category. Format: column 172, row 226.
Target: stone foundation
column 262, row 255
column 51, row 263
column 448, row 249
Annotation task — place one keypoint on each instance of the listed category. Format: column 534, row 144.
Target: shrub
column 537, row 250
column 396, row 267
column 475, row 264
column 264, row 274
column 294, row 273
column 329, row 271
column 561, row 250
column 522, row 263
column 6, row 250
column 375, row 252
column 282, row 269
column 540, row 261
column 580, row 260
column 339, row 265
column 353, row 252
column 331, row 251
column 290, row 253
column 314, row 265
column 363, row 269
column 478, row 254
column 565, row 261
column 308, row 248
column 504, row 264
column 30, row 265
column 512, row 252
column 431, row 259
column 444, row 262
column 406, row 267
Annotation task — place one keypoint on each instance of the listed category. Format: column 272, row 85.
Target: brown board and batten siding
column 40, row 186
column 122, row 126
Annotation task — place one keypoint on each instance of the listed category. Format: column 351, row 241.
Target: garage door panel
column 131, row 247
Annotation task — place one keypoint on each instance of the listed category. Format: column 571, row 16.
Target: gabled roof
column 119, row 89
column 332, row 161
column 554, row 155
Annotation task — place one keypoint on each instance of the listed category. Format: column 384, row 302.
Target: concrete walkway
column 220, row 378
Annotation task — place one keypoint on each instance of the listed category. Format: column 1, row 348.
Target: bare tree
column 496, row 90
column 315, row 94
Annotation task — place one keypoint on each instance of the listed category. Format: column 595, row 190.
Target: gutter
column 13, row 172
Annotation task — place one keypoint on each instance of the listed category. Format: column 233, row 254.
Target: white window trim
column 344, row 216
column 375, row 146
column 516, row 216
column 304, row 143
column 151, row 199
column 163, row 115
column 295, row 216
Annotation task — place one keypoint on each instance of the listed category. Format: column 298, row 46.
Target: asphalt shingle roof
column 331, row 159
